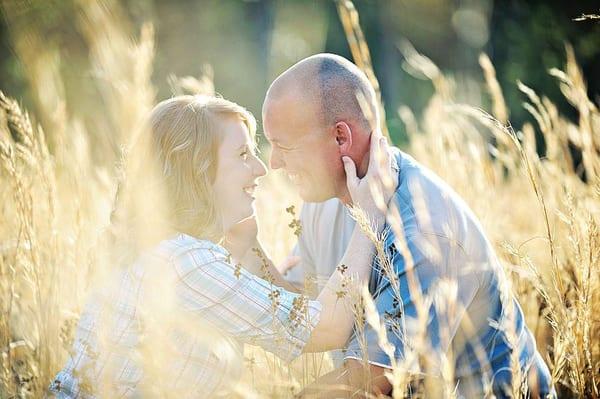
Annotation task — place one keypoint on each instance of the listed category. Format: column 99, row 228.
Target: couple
column 320, row 117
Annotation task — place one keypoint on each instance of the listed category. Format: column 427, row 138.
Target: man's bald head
column 333, row 87
column 321, row 109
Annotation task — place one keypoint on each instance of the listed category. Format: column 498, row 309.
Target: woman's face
column 238, row 169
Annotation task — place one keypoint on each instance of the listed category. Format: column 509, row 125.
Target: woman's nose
column 260, row 169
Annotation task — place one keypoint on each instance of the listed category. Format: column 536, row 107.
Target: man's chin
column 248, row 213
column 314, row 197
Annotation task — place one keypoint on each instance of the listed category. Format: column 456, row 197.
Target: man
column 443, row 299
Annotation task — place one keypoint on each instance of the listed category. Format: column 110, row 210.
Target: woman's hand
column 373, row 192
column 288, row 263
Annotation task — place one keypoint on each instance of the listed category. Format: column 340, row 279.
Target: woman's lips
column 250, row 190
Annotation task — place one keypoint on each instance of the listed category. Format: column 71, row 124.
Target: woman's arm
column 238, row 303
column 338, row 313
column 259, row 312
column 242, row 243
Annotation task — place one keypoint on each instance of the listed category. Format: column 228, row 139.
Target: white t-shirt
column 327, row 228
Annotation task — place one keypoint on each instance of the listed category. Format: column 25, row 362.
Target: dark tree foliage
column 528, row 38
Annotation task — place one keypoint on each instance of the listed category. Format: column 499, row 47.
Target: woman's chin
column 248, row 212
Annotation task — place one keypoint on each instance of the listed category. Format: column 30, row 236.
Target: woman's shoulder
column 183, row 244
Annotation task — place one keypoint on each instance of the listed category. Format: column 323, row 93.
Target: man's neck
column 345, row 197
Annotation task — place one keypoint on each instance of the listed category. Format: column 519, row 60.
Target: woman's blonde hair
column 170, row 168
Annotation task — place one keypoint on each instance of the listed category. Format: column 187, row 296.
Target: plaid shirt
column 224, row 303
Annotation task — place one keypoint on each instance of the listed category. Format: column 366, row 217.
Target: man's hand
column 353, row 380
column 288, row 263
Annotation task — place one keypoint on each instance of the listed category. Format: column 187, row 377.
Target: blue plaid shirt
column 470, row 310
column 224, row 303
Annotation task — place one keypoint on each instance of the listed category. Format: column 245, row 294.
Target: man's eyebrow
column 269, row 139
column 277, row 142
column 273, row 141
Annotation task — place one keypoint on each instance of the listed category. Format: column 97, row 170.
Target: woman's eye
column 244, row 155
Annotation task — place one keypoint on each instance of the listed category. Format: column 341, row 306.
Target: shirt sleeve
column 397, row 306
column 243, row 305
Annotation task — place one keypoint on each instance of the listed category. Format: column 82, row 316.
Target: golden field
column 59, row 184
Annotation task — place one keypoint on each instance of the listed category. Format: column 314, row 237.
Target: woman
column 176, row 317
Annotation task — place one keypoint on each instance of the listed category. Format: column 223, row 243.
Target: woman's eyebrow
column 252, row 147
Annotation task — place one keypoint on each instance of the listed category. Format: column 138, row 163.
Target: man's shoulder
column 431, row 207
column 412, row 175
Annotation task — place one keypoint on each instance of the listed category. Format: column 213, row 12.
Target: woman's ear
column 343, row 137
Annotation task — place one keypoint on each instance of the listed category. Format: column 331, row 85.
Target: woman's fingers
column 375, row 189
column 350, row 168
column 374, row 150
column 388, row 176
column 382, row 179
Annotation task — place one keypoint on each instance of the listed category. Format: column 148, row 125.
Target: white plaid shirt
column 238, row 307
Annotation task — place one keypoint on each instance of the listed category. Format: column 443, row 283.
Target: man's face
column 304, row 148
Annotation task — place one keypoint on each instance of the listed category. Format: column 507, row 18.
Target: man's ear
column 343, row 137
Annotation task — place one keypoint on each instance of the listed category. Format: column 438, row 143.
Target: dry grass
column 541, row 213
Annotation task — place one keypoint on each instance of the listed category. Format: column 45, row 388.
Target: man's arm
column 405, row 325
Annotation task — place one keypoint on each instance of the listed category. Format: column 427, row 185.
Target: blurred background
column 523, row 39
